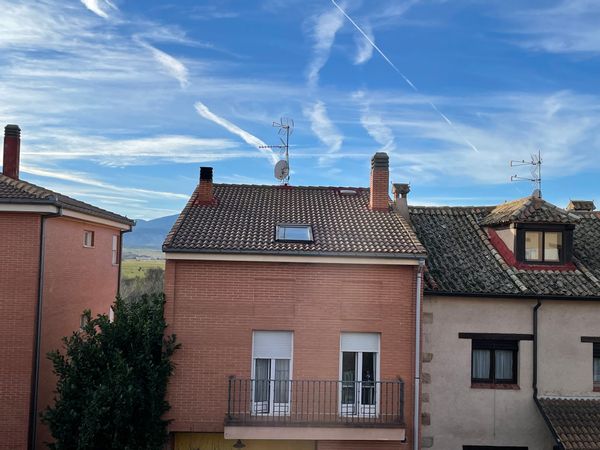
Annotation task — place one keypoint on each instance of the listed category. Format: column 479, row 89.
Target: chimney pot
column 401, row 191
column 380, row 180
column 205, row 188
column 12, row 151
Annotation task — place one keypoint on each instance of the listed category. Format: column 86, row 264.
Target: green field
column 132, row 268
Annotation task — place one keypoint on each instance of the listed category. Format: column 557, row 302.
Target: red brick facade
column 19, row 258
column 214, row 306
column 75, row 278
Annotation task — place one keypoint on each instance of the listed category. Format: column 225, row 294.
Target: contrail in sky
column 404, row 77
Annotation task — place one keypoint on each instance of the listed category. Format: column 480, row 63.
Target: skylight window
column 294, row 233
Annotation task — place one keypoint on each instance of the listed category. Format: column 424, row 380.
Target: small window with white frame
column 88, row 238
column 115, row 249
column 271, row 372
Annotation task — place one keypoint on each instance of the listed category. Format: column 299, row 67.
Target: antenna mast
column 536, row 172
column 282, row 168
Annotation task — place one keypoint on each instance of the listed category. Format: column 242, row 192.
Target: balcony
column 315, row 410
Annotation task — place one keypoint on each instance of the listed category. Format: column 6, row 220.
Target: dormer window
column 543, row 246
column 294, row 233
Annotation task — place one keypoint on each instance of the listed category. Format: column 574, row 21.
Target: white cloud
column 364, row 49
column 63, row 145
column 232, row 128
column 96, row 8
column 88, row 180
column 323, row 127
column 569, row 26
column 171, row 65
column 323, row 34
column 374, row 124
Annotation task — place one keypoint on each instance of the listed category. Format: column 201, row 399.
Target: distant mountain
column 149, row 234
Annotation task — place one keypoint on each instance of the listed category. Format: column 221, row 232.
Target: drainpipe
column 417, row 394
column 121, row 257
column 559, row 445
column 35, row 375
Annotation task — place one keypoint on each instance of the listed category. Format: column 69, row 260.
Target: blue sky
column 121, row 101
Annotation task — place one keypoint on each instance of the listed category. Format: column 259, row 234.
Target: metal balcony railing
column 315, row 403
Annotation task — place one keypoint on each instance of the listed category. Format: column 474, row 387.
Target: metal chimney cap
column 12, row 130
column 380, row 160
column 206, row 173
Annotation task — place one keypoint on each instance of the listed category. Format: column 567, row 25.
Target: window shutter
column 273, row 344
column 360, row 342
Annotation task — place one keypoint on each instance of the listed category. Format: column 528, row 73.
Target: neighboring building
column 58, row 256
column 296, row 309
column 511, row 326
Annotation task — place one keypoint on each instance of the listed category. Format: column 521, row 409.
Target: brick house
column 297, row 309
column 58, row 256
column 511, row 326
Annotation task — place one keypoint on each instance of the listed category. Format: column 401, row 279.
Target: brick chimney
column 12, row 151
column 401, row 191
column 380, row 180
column 205, row 188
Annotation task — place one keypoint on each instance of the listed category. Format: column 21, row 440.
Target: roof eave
column 59, row 205
column 412, row 256
column 517, row 295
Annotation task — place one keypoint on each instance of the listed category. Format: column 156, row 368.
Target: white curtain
column 481, row 364
column 504, row 364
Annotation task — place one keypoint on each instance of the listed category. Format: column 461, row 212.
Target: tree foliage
column 112, row 380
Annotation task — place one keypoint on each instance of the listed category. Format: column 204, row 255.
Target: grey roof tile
column 528, row 210
column 462, row 260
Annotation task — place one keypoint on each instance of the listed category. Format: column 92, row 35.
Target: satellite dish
column 282, row 169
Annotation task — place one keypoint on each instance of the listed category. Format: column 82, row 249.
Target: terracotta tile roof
column 244, row 217
column 528, row 210
column 581, row 205
column 462, row 260
column 22, row 192
column 576, row 422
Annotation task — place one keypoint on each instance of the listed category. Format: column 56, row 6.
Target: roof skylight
column 294, row 233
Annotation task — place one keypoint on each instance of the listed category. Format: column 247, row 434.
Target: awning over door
column 575, row 422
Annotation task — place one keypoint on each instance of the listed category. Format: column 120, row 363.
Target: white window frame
column 360, row 409
column 281, row 226
column 279, row 409
column 115, row 250
column 87, row 233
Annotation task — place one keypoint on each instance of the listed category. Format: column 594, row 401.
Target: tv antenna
column 536, row 172
column 282, row 168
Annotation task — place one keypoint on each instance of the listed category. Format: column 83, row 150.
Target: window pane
column 481, row 364
column 282, row 376
column 262, row 371
column 504, row 364
column 533, row 245
column 596, row 370
column 348, row 377
column 552, row 246
column 294, row 233
column 368, row 378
